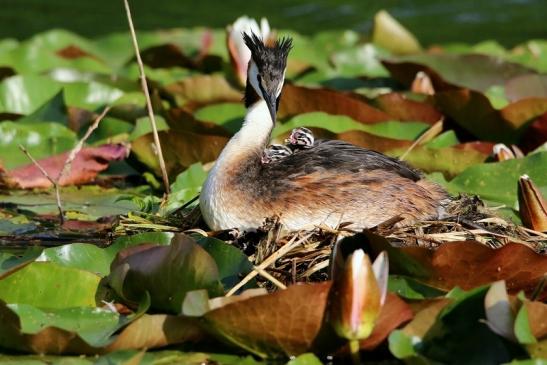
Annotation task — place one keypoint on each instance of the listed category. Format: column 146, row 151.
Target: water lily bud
column 422, row 84
column 240, row 55
column 356, row 297
column 532, row 205
column 502, row 152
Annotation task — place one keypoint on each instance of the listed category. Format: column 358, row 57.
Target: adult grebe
column 329, row 183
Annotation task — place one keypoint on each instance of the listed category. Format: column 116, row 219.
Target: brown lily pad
column 467, row 264
column 298, row 99
column 86, row 166
column 400, row 108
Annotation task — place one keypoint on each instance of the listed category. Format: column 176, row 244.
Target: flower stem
column 354, row 349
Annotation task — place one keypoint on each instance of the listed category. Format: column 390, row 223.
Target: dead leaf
column 298, row 99
column 280, row 323
column 400, row 108
column 467, row 264
column 394, row 313
column 85, row 167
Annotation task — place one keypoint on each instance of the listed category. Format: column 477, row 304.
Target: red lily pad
column 86, row 166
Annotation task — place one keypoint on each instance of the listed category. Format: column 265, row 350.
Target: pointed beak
column 272, row 105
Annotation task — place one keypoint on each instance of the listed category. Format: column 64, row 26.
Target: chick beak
column 272, row 105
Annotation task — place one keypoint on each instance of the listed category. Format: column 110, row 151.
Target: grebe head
column 266, row 71
column 301, row 138
column 275, row 152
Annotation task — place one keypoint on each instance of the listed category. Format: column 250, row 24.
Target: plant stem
column 354, row 349
column 144, row 86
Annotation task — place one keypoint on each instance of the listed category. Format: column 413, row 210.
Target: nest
column 283, row 258
column 308, row 258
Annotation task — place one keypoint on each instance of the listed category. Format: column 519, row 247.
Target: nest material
column 466, row 219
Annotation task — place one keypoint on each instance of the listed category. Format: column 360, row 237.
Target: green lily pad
column 90, row 94
column 232, row 264
column 410, row 288
column 186, row 186
column 49, row 285
column 41, row 140
column 93, row 325
column 166, row 272
column 94, row 201
column 229, row 115
column 498, row 181
column 341, row 123
column 23, row 94
column 79, row 255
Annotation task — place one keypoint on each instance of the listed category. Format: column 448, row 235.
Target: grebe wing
column 339, row 156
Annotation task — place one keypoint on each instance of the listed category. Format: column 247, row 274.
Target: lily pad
column 49, row 285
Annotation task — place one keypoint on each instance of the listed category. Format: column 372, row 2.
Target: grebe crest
column 301, row 138
column 266, row 71
column 275, row 152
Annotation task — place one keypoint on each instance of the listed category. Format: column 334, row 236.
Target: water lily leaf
column 49, row 285
column 342, row 123
column 156, row 330
column 484, row 265
column 51, row 49
column 498, row 181
column 79, row 255
column 299, row 99
column 180, row 150
column 143, row 127
column 23, row 94
column 404, row 109
column 54, row 110
column 451, row 161
column 262, row 324
column 157, row 238
column 473, row 71
column 166, row 272
column 93, row 325
column 526, row 86
column 93, row 201
column 394, row 312
column 85, row 167
column 90, row 94
column 229, row 115
column 391, row 35
column 410, row 288
column 305, row 359
column 474, row 112
column 444, row 341
column 363, row 60
column 203, row 89
column 232, row 264
column 186, row 186
column 41, row 140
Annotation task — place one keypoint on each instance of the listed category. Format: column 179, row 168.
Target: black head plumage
column 269, row 59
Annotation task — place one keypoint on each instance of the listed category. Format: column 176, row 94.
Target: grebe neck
column 251, row 139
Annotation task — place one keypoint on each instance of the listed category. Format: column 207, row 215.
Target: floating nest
column 304, row 256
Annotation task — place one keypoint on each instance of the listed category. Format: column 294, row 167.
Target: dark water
column 508, row 21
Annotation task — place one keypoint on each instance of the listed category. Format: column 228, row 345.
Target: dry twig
column 144, row 86
column 54, row 182
column 74, row 152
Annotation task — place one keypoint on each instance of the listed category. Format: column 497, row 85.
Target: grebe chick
column 329, row 183
column 275, row 152
column 301, row 137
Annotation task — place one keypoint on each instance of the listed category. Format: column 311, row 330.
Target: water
column 508, row 21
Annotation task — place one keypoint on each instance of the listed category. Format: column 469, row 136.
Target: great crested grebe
column 275, row 152
column 298, row 139
column 329, row 183
column 301, row 138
